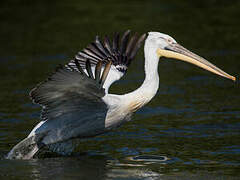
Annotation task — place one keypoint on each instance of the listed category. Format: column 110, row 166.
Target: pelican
column 75, row 99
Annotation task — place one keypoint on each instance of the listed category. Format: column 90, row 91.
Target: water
column 190, row 130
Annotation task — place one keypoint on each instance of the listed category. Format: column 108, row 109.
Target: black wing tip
column 128, row 48
column 121, row 51
column 137, row 46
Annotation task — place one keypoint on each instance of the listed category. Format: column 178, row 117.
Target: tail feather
column 26, row 149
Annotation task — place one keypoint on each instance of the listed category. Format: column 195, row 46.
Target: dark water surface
column 190, row 130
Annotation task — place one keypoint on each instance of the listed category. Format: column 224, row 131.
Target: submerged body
column 76, row 102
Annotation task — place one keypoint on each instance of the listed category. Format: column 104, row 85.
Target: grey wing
column 72, row 103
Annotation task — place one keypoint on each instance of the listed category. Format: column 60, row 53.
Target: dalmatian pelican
column 75, row 100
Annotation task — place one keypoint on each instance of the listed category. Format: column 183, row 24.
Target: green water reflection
column 193, row 120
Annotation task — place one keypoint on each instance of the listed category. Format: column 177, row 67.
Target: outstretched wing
column 120, row 52
column 70, row 92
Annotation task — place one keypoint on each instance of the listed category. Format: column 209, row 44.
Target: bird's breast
column 135, row 105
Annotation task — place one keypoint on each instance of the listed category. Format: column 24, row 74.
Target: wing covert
column 69, row 91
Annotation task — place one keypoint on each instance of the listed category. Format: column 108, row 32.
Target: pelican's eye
column 169, row 41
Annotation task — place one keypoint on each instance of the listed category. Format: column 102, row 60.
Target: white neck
column 149, row 88
column 151, row 81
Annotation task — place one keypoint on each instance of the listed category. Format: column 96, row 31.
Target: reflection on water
column 190, row 130
column 149, row 158
column 96, row 167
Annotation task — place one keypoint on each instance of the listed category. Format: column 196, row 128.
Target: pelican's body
column 76, row 102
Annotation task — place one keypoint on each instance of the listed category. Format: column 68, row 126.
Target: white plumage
column 75, row 99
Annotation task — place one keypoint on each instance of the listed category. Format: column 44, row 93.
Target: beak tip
column 233, row 78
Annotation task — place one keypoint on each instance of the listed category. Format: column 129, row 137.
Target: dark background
column 193, row 120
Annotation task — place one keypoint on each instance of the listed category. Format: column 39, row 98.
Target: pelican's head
column 166, row 46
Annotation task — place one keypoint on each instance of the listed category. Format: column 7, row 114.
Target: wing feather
column 107, row 45
column 105, row 72
column 68, row 92
column 89, row 69
column 137, row 46
column 98, row 70
column 120, row 53
column 124, row 42
column 116, row 42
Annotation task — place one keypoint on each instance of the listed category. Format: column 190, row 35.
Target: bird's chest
column 134, row 106
column 124, row 110
column 136, row 102
column 122, row 114
column 117, row 117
